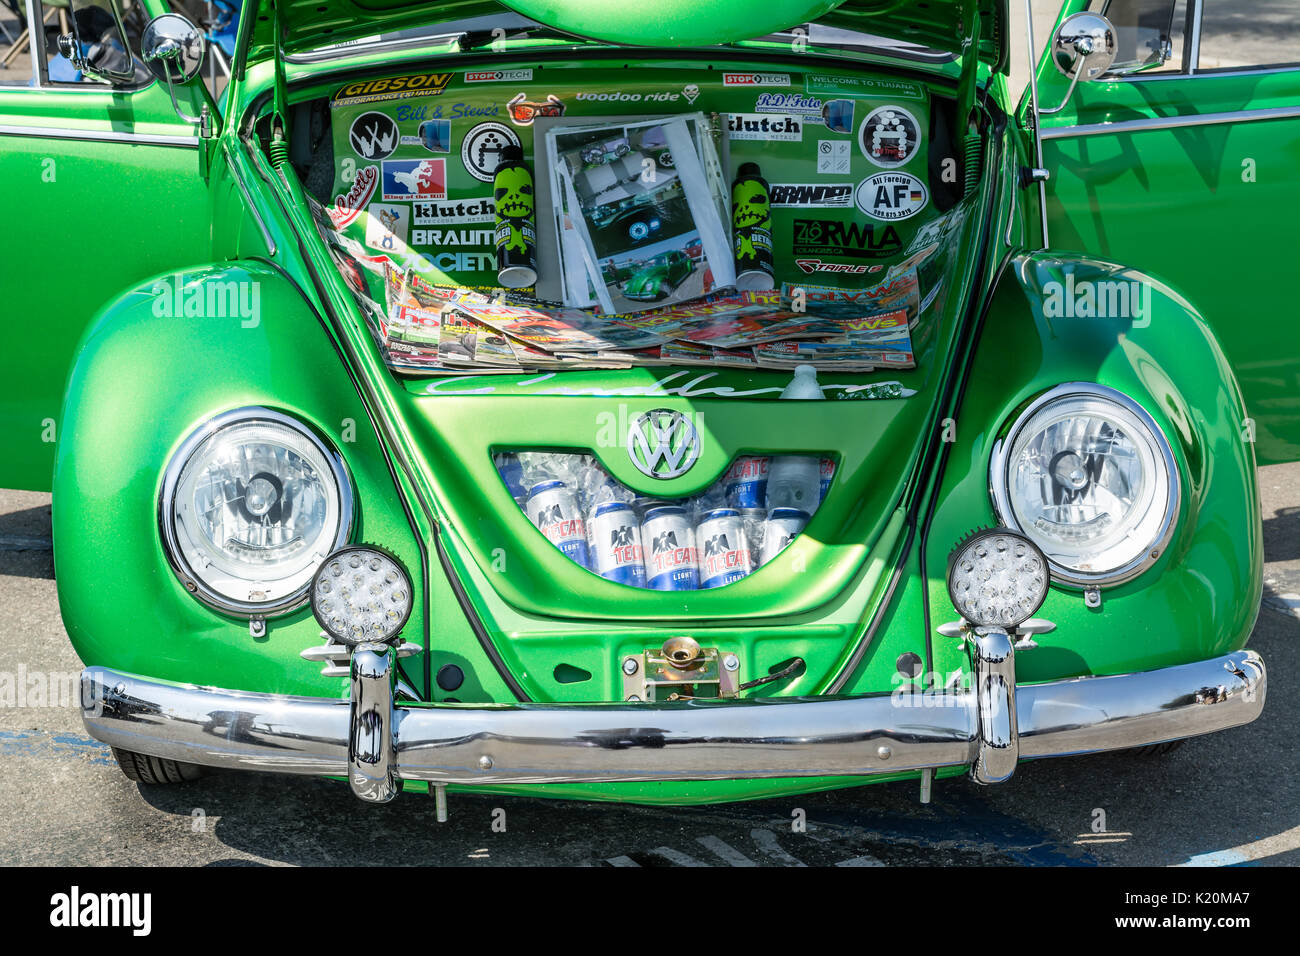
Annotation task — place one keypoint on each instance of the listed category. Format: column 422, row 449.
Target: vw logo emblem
column 663, row 443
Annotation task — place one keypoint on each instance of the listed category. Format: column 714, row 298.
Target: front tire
column 141, row 768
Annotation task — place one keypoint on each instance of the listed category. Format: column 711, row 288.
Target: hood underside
column 937, row 26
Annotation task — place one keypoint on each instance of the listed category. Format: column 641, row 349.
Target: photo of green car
column 659, row 277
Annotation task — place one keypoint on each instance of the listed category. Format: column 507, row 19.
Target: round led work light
column 997, row 578
column 361, row 594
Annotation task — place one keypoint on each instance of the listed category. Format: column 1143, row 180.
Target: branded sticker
column 807, row 106
column 478, row 238
column 387, row 226
column 498, row 76
column 889, row 136
column 391, row 88
column 812, row 194
column 851, row 240
column 415, row 179
column 620, row 96
column 862, row 86
column 821, row 265
column 480, row 150
column 891, row 196
column 690, row 91
column 373, row 136
column 765, row 126
column 434, row 135
column 349, row 205
column 455, row 212
column 755, row 79
column 834, row 156
column 523, row 111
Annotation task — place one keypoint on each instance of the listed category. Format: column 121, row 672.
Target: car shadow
column 26, row 549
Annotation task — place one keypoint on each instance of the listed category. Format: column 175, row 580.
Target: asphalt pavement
column 1231, row 798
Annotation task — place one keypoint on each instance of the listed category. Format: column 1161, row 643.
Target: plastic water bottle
column 794, row 481
column 804, row 384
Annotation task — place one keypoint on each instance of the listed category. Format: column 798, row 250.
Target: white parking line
column 676, row 856
column 766, row 841
column 729, row 853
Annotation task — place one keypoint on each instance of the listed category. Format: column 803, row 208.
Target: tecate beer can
column 671, row 561
column 828, row 472
column 615, row 538
column 724, row 552
column 552, row 508
column 745, row 482
column 783, row 526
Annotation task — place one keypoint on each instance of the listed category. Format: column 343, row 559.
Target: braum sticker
column 890, row 196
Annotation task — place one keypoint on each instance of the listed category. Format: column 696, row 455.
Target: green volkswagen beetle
column 288, row 540
column 659, row 277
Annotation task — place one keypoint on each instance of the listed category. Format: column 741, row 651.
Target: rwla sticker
column 890, row 196
column 373, row 136
column 415, row 179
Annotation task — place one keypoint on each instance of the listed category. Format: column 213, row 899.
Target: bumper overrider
column 376, row 743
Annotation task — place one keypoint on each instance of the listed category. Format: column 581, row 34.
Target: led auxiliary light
column 361, row 594
column 997, row 578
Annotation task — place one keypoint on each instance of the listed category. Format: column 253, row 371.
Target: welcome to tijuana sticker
column 891, row 196
column 889, row 136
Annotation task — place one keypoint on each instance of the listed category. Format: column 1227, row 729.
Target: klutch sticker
column 415, row 179
column 480, row 151
column 387, row 226
column 889, row 136
column 373, row 136
column 890, row 196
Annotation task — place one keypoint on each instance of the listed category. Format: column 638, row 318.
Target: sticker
column 435, row 136
column 862, row 86
column 890, row 196
column 821, row 265
column 455, row 212
column 388, row 226
column 523, row 112
column 498, row 76
column 391, row 88
column 373, row 136
column 766, row 126
column 812, row 194
column 808, row 106
column 478, row 238
column 415, row 179
column 480, row 151
column 838, row 116
column 349, row 205
column 851, row 240
column 690, row 91
column 834, row 156
column 755, row 79
column 889, row 136
column 619, row 96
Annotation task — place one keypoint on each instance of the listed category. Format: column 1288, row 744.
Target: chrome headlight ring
column 301, row 502
column 1125, row 545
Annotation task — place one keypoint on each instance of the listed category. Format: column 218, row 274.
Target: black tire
column 1157, row 750
column 141, row 768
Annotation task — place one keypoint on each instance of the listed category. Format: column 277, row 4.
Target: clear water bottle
column 794, row 481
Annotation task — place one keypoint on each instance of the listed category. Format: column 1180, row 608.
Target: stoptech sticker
column 480, row 151
column 392, row 88
column 415, row 179
column 889, row 136
column 891, row 196
column 349, row 205
column 373, row 136
column 802, row 195
column 498, row 76
column 755, row 79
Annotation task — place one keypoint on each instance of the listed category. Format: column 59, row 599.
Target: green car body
column 123, row 199
column 660, row 277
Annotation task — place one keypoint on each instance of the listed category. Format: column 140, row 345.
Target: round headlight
column 251, row 504
column 361, row 594
column 1088, row 476
column 997, row 578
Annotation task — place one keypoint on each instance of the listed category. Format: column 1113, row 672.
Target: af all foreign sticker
column 480, row 150
column 889, row 136
column 373, row 135
column 891, row 196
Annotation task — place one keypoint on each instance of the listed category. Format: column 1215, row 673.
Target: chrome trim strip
column 1039, row 135
column 248, row 198
column 1194, row 51
column 490, row 744
column 107, row 136
column 1173, row 122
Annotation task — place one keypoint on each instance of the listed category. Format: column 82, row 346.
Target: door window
column 1249, row 34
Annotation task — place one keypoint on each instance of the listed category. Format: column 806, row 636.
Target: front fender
column 1201, row 596
column 148, row 373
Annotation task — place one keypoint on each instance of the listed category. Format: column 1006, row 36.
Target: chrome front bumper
column 376, row 743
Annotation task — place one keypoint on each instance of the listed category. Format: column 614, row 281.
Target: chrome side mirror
column 97, row 45
column 1083, row 49
column 173, row 48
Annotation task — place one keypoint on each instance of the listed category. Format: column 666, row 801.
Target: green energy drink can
column 751, row 229
column 516, row 229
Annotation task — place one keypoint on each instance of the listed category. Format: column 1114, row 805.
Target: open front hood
column 935, row 25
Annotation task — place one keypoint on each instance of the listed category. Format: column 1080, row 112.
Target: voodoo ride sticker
column 889, row 136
